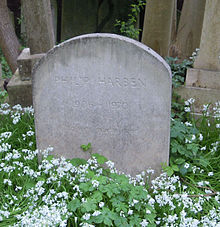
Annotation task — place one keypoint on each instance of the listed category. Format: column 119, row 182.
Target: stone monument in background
column 107, row 90
column 203, row 80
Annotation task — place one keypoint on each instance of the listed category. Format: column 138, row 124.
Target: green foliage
column 78, row 192
column 178, row 70
column 128, row 28
column 86, row 147
column 3, row 96
column 6, row 71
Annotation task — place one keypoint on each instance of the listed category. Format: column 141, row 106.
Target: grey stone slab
column 38, row 25
column 26, row 62
column 203, row 78
column 19, row 92
column 109, row 90
column 201, row 95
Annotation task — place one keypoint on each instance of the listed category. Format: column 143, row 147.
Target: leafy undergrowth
column 60, row 192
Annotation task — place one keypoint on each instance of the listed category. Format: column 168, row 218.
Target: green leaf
column 204, row 162
column 179, row 161
column 97, row 196
column 121, row 221
column 49, row 157
column 151, row 218
column 183, row 170
column 170, row 172
column 100, row 158
column 78, row 161
column 89, row 205
column 175, row 167
column 90, row 174
column 134, row 219
column 86, row 147
column 85, row 187
column 74, row 205
column 30, row 184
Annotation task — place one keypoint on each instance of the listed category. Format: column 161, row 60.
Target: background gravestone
column 109, row 90
column 81, row 17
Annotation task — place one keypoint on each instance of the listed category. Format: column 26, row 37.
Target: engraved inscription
column 100, row 131
column 122, row 82
column 79, row 81
column 108, row 82
column 113, row 105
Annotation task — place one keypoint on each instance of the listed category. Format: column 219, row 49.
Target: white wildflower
column 130, row 212
column 188, row 123
column 210, row 174
column 101, row 204
column 200, row 137
column 186, row 165
column 95, row 183
column 86, row 216
column 96, row 213
column 144, row 223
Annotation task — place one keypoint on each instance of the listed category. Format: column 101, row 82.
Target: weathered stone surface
column 108, row 90
column 19, row 92
column 209, row 53
column 82, row 17
column 38, row 25
column 206, row 72
column 190, row 27
column 158, row 25
column 54, row 17
column 201, row 95
column 26, row 62
column 203, row 78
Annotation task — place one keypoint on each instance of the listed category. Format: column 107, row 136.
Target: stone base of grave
column 203, row 78
column 20, row 85
column 19, row 92
column 203, row 86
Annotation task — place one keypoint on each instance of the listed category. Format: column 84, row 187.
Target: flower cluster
column 76, row 192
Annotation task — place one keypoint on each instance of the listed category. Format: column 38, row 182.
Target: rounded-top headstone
column 107, row 90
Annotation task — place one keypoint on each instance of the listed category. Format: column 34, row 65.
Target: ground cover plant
column 77, row 192
column 60, row 192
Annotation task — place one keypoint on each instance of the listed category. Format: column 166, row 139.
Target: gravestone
column 38, row 25
column 109, row 90
column 203, row 80
column 82, row 17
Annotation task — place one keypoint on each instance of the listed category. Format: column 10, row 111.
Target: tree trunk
column 38, row 25
column 8, row 39
column 190, row 28
column 158, row 25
